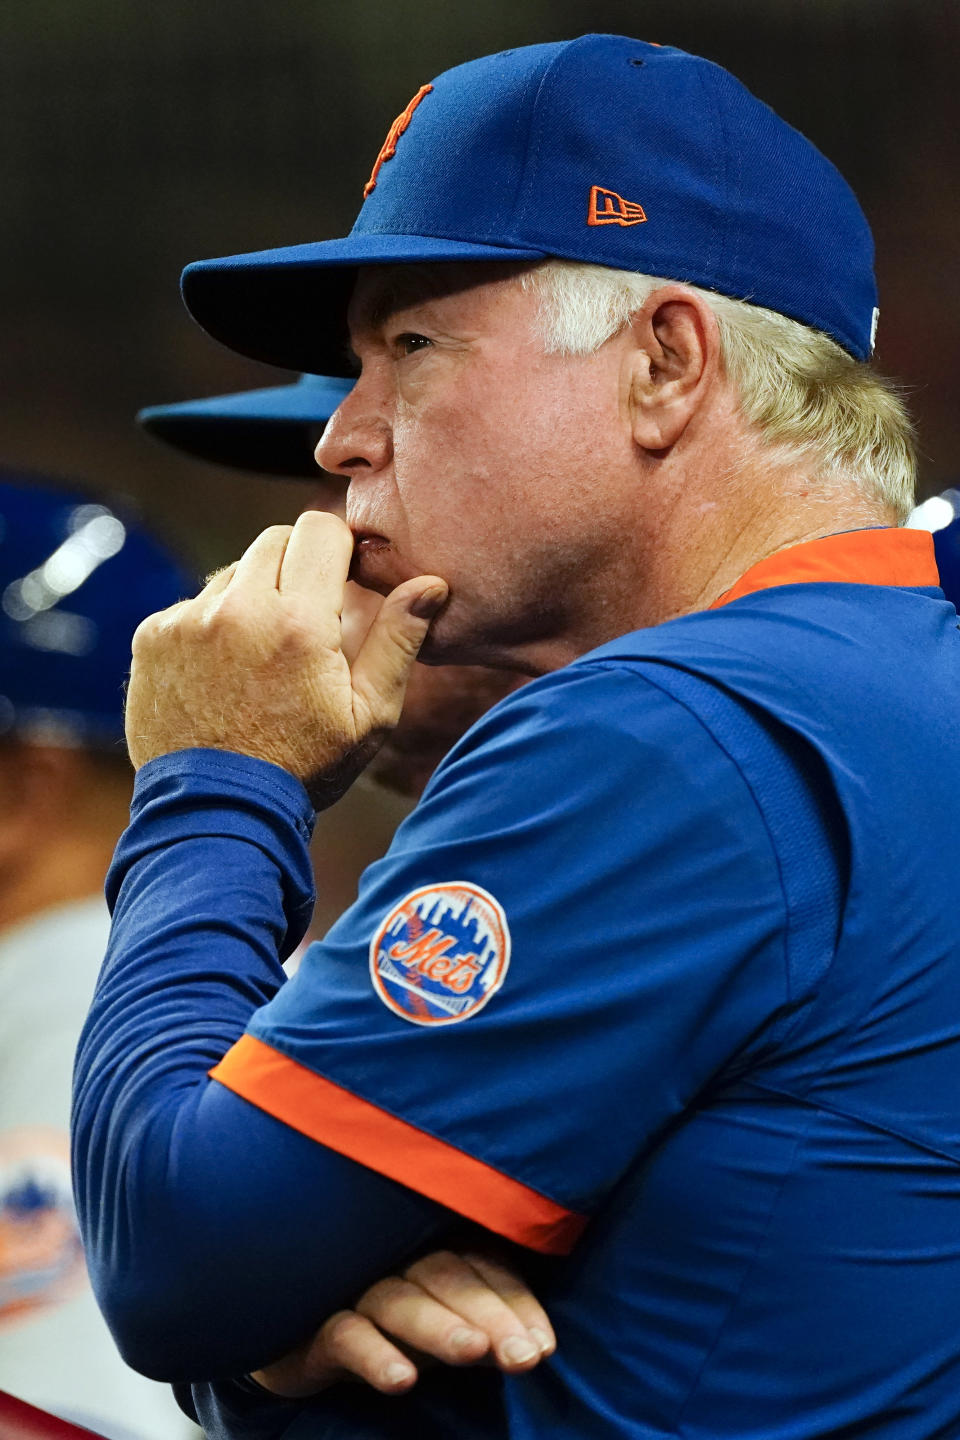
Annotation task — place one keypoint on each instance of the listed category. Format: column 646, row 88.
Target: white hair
column 804, row 395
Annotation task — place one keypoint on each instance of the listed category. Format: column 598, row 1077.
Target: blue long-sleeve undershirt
column 217, row 1238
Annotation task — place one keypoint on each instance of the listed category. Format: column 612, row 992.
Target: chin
column 447, row 645
column 451, row 641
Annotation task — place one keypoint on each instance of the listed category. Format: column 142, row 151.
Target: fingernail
column 426, row 605
column 464, row 1339
column 398, row 1374
column 518, row 1351
column 539, row 1338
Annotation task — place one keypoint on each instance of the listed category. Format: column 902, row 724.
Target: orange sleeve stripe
column 861, row 557
column 343, row 1121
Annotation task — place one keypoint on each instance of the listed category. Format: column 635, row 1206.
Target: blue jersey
column 658, row 980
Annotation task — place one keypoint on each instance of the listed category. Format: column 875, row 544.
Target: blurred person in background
column 75, row 581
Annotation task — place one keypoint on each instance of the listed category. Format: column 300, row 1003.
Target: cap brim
column 288, row 307
column 271, row 431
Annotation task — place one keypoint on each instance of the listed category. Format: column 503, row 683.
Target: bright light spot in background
column 96, row 536
column 62, row 631
column 933, row 514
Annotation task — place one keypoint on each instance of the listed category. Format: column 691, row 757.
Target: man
column 655, row 981
column 75, row 581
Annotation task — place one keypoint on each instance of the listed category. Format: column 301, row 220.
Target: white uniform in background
column 55, row 1349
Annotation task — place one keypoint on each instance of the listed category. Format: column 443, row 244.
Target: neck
column 697, row 550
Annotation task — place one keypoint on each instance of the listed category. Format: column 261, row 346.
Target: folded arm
column 206, row 1202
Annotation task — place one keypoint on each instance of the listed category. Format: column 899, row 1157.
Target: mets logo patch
column 441, row 953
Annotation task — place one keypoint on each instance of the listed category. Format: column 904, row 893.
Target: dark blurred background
column 135, row 137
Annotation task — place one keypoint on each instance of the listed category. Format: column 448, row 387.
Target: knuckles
column 343, row 1329
column 440, row 1268
column 386, row 1292
column 232, row 621
column 147, row 632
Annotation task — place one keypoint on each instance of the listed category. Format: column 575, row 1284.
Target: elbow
column 160, row 1323
column 154, row 1247
column 182, row 1312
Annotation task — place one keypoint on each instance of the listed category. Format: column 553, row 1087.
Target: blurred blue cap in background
column 273, row 431
column 76, row 579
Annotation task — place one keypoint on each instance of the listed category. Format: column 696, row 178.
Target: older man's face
column 474, row 455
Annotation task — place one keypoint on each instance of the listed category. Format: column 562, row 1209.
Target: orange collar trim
column 859, row 557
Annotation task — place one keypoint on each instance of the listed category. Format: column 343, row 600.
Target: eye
column 409, row 342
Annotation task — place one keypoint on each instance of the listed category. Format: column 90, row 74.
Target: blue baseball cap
column 272, row 431
column 603, row 149
column 76, row 579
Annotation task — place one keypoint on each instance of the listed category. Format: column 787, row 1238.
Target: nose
column 357, row 438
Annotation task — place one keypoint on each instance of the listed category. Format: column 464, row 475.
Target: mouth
column 368, row 547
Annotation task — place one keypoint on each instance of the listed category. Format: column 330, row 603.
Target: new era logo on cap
column 609, row 208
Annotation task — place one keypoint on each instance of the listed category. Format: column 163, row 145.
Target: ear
column 674, row 364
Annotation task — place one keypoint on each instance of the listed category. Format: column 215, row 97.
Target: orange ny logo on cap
column 389, row 147
column 609, row 208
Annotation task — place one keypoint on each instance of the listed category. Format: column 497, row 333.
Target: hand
column 254, row 663
column 458, row 1309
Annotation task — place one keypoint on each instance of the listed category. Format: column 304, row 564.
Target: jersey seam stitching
column 839, row 1110
column 627, row 666
column 799, row 1140
column 604, row 665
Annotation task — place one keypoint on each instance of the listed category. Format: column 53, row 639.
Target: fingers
column 260, row 563
column 347, row 1344
column 317, row 559
column 382, row 666
column 514, row 1293
column 491, row 1299
column 315, row 551
column 218, row 580
column 453, row 1308
column 404, row 1309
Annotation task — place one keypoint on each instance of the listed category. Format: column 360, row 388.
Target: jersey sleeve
column 580, row 928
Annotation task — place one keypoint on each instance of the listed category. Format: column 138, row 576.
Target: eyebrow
column 397, row 288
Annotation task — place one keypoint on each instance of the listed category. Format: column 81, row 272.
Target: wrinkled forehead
column 381, row 290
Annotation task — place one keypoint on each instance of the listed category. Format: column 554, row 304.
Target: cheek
column 504, row 452
column 443, row 466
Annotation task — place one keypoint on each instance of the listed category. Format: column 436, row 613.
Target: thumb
column 382, row 667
